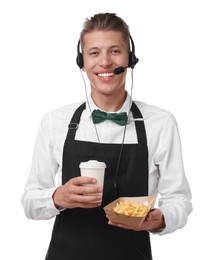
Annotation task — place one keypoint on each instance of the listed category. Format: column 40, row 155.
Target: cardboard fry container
column 124, row 219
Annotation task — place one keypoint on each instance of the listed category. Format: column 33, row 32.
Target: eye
column 115, row 51
column 93, row 53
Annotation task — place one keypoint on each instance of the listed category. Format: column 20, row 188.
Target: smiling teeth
column 105, row 74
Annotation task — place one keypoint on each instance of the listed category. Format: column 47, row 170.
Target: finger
column 122, row 226
column 81, row 180
column 87, row 198
column 88, row 205
column 85, row 190
column 153, row 215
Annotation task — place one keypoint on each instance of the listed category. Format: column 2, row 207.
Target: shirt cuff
column 168, row 222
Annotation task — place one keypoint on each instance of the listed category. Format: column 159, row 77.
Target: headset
column 133, row 60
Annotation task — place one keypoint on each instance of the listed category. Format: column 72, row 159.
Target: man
column 141, row 149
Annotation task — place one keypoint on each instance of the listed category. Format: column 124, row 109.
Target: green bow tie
column 100, row 116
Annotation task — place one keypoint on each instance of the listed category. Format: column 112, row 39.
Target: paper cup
column 95, row 170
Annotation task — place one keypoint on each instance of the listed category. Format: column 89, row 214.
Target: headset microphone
column 120, row 70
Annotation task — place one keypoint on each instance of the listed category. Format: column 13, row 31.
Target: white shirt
column 167, row 178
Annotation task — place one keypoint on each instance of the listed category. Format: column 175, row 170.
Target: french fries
column 129, row 208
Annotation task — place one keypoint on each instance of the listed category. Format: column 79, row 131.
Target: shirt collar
column 90, row 105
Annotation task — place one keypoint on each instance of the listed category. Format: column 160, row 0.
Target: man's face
column 104, row 51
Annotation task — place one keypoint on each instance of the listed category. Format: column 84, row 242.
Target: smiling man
column 139, row 144
column 103, row 51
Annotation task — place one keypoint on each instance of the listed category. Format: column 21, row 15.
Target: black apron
column 84, row 234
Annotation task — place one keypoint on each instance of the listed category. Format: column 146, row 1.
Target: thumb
column 153, row 215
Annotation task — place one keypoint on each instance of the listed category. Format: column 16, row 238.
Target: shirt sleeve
column 40, row 186
column 173, row 187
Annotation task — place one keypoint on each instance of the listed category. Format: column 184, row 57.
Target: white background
column 174, row 42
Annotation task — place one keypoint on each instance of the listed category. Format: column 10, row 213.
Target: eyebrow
column 112, row 46
column 92, row 48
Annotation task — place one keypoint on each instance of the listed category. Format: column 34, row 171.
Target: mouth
column 105, row 75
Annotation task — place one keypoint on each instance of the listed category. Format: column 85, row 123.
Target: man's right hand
column 77, row 192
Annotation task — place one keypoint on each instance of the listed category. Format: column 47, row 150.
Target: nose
column 105, row 60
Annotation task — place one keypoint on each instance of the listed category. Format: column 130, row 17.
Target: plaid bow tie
column 100, row 116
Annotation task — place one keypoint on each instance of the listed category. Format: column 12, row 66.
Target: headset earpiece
column 79, row 58
column 133, row 60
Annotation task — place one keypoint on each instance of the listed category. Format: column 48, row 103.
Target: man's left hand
column 154, row 222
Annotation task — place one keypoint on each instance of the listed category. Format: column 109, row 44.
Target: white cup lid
column 92, row 164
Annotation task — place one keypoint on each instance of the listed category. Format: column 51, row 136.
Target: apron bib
column 84, row 234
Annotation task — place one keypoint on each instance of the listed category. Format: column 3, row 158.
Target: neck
column 109, row 103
